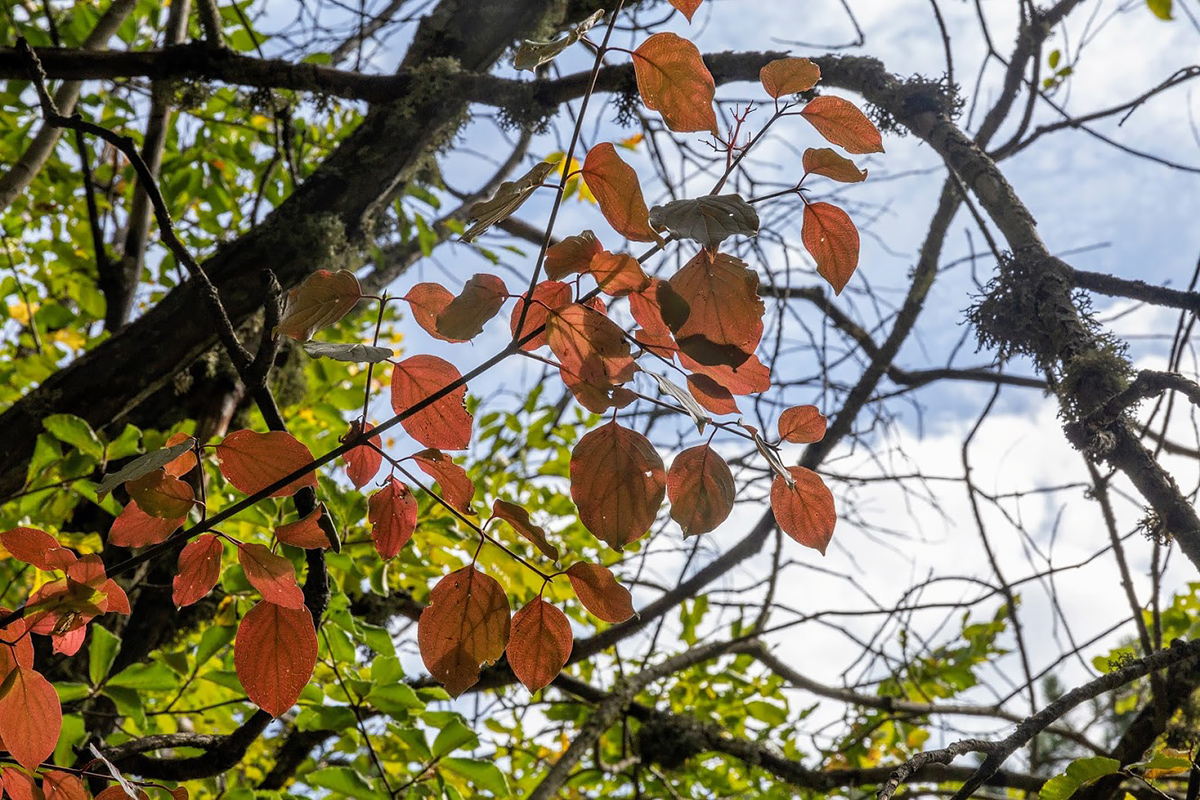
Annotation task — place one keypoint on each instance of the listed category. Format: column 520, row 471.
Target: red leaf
column 253, row 461
column 596, row 399
column 392, row 512
column 18, row 785
column 273, row 576
column 540, row 644
column 135, row 528
column 826, row 161
column 617, row 274
column 306, row 532
column 16, row 646
column 724, row 320
column 480, row 300
column 673, row 80
column 323, row 299
column 686, row 7
column 444, row 423
column 184, row 463
column 118, row 793
column 618, row 483
column 748, row 378
column 830, row 237
column 427, row 301
column 465, row 626
column 805, row 511
column 547, row 296
column 841, row 123
column 457, row 488
column 615, row 185
column 518, row 518
column 62, row 606
column 117, row 602
column 700, row 487
column 802, row 425
column 571, row 255
column 647, row 311
column 362, row 462
column 30, row 717
column 199, row 569
column 274, row 655
column 61, row 786
column 590, row 346
column 600, row 593
column 161, row 495
column 789, row 76
column 712, row 395
column 36, row 548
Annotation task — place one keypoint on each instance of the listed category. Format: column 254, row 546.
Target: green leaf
column 153, row 677
column 1055, row 57
column 1160, row 8
column 101, row 653
column 482, row 774
column 454, row 735
column 68, row 691
column 1079, row 772
column 128, row 702
column 76, row 432
column 212, row 640
column 345, row 782
column 397, row 698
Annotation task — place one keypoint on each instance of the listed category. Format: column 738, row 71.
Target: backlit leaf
column 252, row 461
column 307, row 532
column 674, row 81
column 135, row 528
column 540, row 644
column 16, row 648
column 841, row 123
column 119, row 793
column 830, row 237
column 618, row 193
column 30, row 717
column 617, row 274
column 709, row 220
column 571, row 255
column 724, row 319
column 1160, row 8
column 426, row 301
column 828, row 162
column 392, row 512
column 465, row 626
column 547, row 295
column 700, row 487
column 457, row 488
column 710, row 394
column 161, row 495
column 805, row 510
column 63, row 786
column 686, row 7
column 508, row 198
column 37, row 548
column 273, row 575
column 518, row 518
column 750, row 377
column 802, row 425
column 199, row 569
column 789, row 76
column 274, row 655
column 444, row 423
column 19, row 785
column 362, row 462
column 182, row 465
column 590, row 346
column 1079, row 773
column 480, row 300
column 600, row 593
column 618, row 483
column 76, row 432
column 348, row 351
column 321, row 300
column 143, row 464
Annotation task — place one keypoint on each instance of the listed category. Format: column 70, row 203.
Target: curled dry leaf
column 274, row 655
column 841, row 123
column 618, row 193
column 321, row 300
column 826, row 161
column 465, row 626
column 600, row 593
column 540, row 644
column 252, row 461
column 518, row 518
column 547, row 296
column 443, row 423
column 696, row 411
column 805, row 509
column 674, row 81
column 463, row 317
column 508, row 198
column 802, row 425
column 830, row 237
column 199, row 569
column 701, row 490
column 618, row 482
column 392, row 512
column 708, row 220
column 348, row 351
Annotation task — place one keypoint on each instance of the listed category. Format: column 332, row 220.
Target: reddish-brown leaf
column 547, row 296
column 802, row 425
column 161, row 495
column 647, row 311
column 19, row 785
column 673, row 81
column 61, row 786
column 571, row 255
column 16, row 646
column 590, row 346
column 700, row 487
column 596, row 399
column 321, row 300
column 749, row 378
column 457, row 488
column 686, row 7
column 615, row 185
column 274, row 655
column 135, row 528
column 724, row 319
column 828, row 162
column 199, row 569
column 306, row 532
column 36, row 548
column 789, row 76
column 253, row 461
column 465, row 626
column 600, row 593
column 618, row 483
column 480, row 300
column 427, row 301
column 118, row 793
column 30, row 717
column 841, row 123
column 712, row 395
column 184, row 463
column 518, row 518
column 444, row 423
column 392, row 512
column 617, row 274
column 540, row 644
column 273, row 576
column 830, row 237
column 804, row 511
column 362, row 462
